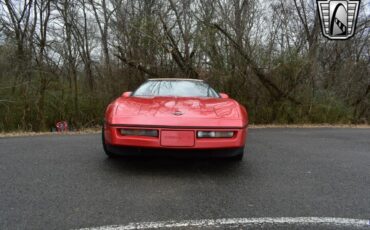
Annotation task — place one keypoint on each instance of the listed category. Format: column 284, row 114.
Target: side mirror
column 126, row 94
column 224, row 95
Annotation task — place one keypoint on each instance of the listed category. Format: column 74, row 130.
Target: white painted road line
column 340, row 222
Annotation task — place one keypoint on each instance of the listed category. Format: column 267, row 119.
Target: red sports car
column 175, row 116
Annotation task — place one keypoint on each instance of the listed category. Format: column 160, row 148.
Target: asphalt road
column 66, row 182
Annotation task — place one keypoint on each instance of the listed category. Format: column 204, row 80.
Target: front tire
column 107, row 152
column 239, row 157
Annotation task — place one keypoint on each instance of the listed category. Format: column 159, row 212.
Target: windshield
column 176, row 88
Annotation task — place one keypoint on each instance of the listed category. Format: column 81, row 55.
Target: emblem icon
column 338, row 18
column 178, row 113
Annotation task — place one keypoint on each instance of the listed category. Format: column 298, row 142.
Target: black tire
column 240, row 155
column 107, row 152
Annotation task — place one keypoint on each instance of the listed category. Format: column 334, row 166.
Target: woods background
column 66, row 60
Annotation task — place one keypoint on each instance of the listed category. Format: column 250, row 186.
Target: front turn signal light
column 215, row 134
column 139, row 132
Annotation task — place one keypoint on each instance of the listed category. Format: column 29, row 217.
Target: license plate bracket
column 177, row 138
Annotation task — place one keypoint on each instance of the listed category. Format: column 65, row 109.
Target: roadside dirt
column 97, row 130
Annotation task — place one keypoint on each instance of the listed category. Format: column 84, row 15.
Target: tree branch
column 269, row 85
column 133, row 64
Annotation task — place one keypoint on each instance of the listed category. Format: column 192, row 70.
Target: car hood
column 185, row 107
column 175, row 111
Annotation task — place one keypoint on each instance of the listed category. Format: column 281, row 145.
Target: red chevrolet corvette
column 175, row 116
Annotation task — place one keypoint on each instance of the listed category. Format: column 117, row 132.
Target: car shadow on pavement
column 177, row 166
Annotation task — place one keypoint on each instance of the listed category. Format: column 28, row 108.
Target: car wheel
column 109, row 154
column 240, row 155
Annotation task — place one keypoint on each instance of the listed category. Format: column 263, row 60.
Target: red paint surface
column 161, row 113
column 177, row 138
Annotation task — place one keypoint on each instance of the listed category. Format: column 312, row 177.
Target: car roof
column 174, row 79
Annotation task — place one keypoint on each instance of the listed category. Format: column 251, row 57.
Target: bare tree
column 67, row 59
column 68, row 14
